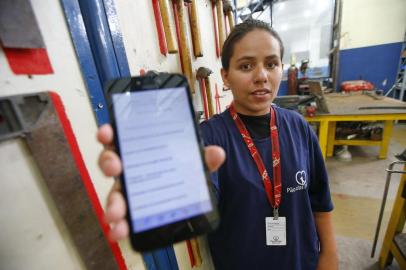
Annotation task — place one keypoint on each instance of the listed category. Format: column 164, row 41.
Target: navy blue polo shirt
column 240, row 240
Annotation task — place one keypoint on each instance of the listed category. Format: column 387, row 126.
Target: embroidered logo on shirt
column 301, row 180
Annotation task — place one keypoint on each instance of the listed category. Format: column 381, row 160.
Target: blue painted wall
column 283, row 88
column 372, row 63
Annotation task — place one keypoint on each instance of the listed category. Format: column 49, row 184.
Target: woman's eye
column 271, row 65
column 245, row 67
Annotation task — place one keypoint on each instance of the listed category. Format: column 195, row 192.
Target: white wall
column 32, row 234
column 372, row 22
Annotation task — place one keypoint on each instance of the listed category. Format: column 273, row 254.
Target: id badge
column 275, row 231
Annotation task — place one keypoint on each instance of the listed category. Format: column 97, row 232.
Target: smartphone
column 165, row 181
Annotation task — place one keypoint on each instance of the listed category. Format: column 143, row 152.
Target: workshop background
column 83, row 44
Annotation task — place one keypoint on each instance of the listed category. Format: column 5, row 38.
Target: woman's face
column 255, row 72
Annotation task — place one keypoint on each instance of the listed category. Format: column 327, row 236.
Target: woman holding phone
column 268, row 171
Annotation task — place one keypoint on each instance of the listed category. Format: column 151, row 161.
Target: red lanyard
column 274, row 194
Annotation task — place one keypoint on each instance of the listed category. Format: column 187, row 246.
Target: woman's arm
column 328, row 258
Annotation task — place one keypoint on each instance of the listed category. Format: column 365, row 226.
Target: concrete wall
column 372, row 22
column 371, row 38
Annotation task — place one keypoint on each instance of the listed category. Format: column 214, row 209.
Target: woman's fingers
column 214, row 156
column 115, row 214
column 105, row 134
column 119, row 230
column 116, row 207
column 110, row 163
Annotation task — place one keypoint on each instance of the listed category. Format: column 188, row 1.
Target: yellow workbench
column 396, row 223
column 347, row 108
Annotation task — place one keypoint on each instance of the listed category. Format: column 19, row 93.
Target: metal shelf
column 398, row 90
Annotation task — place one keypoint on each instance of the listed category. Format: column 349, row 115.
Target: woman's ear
column 224, row 76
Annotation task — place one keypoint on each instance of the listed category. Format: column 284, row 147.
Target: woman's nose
column 261, row 74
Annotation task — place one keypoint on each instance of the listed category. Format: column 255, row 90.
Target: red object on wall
column 28, row 61
column 160, row 28
column 359, row 85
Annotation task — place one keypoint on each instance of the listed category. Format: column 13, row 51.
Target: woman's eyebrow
column 250, row 58
column 245, row 58
column 272, row 56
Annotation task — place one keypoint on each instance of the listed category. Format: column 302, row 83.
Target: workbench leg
column 397, row 254
column 386, row 135
column 395, row 225
column 323, row 133
column 331, row 138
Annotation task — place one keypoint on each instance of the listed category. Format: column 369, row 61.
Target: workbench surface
column 350, row 104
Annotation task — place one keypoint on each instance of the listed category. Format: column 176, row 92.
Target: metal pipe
column 390, row 171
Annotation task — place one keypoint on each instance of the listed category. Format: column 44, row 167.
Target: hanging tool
column 228, row 11
column 194, row 28
column 160, row 28
column 216, row 41
column 220, row 23
column 217, row 98
column 196, row 252
column 164, row 8
column 184, row 53
column 209, row 95
column 40, row 120
column 201, row 75
column 205, row 73
column 190, row 253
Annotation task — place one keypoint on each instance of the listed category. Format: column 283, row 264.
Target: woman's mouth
column 261, row 92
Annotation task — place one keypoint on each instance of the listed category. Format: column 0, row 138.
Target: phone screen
column 163, row 169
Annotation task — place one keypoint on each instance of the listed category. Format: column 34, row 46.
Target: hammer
column 194, row 28
column 220, row 21
column 184, row 53
column 217, row 98
column 163, row 6
column 216, row 41
column 159, row 26
column 202, row 75
column 228, row 11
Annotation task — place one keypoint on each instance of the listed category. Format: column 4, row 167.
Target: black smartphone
column 165, row 181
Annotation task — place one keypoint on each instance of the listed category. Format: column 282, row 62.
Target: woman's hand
column 110, row 164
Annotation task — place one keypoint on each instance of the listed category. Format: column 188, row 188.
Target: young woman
column 273, row 192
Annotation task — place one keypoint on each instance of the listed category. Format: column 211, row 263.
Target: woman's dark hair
column 239, row 31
